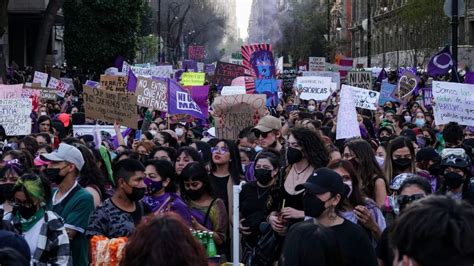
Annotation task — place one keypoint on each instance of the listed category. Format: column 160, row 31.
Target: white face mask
column 243, row 168
column 179, row 131
column 258, row 148
column 43, row 113
column 153, row 132
column 407, row 118
column 380, row 160
column 349, row 183
column 311, row 108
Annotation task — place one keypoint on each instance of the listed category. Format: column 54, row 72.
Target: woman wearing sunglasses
column 42, row 229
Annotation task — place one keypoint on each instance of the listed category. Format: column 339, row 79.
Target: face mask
column 263, row 176
column 43, row 113
column 427, row 141
column 349, row 184
column 258, row 149
column 53, row 174
column 195, row 194
column 243, row 168
column 407, row 118
column 384, row 139
column 419, row 122
column 153, row 132
column 311, row 108
column 137, row 193
column 401, row 164
column 26, row 212
column 6, row 192
column 312, row 205
column 179, row 131
column 434, row 169
column 153, row 186
column 293, row 155
column 453, row 180
column 380, row 160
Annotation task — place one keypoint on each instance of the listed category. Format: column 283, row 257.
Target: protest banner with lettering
column 193, row 78
column 360, row 79
column 335, row 76
column 113, row 83
column 226, row 72
column 81, row 130
column 152, row 93
column 406, row 85
column 162, row 71
column 454, row 102
column 41, row 78
column 317, row 63
column 196, row 52
column 110, row 106
column 316, row 88
column 181, row 101
column 347, row 124
column 289, row 77
column 15, row 116
column 10, row 91
column 59, row 85
column 386, row 92
column 363, row 98
column 232, row 90
column 427, row 96
column 236, row 112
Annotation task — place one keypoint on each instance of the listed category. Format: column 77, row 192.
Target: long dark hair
column 395, row 144
column 196, row 171
column 91, row 175
column 235, row 165
column 313, row 147
column 356, row 197
column 43, row 118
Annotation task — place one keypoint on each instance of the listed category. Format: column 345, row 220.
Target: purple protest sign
column 132, row 81
column 209, row 69
column 180, row 102
column 469, row 77
column 427, row 97
column 200, row 95
column 190, row 66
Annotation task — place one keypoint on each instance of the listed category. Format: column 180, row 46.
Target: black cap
column 16, row 242
column 408, row 133
column 426, row 154
column 323, row 180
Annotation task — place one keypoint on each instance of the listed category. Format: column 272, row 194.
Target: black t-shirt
column 220, row 188
column 355, row 245
column 384, row 252
column 252, row 206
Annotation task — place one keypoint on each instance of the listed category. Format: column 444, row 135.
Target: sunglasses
column 221, row 150
column 403, row 200
column 259, row 133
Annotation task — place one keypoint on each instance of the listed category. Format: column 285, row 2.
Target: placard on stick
column 109, row 106
column 152, row 94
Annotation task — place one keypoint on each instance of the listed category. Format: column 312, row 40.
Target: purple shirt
column 173, row 204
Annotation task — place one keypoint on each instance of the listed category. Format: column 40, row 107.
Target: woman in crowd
column 204, row 150
column 45, row 124
column 28, row 144
column 44, row 139
column 400, row 158
column 42, row 229
column 362, row 157
column 144, row 148
column 9, row 175
column 163, row 240
column 161, row 196
column 163, row 153
column 208, row 212
column 184, row 156
column 165, row 139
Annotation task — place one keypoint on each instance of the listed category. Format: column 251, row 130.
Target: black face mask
column 53, row 174
column 26, row 212
column 401, row 164
column 384, row 139
column 435, row 169
column 195, row 194
column 293, row 155
column 453, row 180
column 137, row 193
column 312, row 205
column 263, row 176
column 6, row 192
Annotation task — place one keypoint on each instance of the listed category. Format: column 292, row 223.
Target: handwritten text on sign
column 152, row 94
column 365, row 99
column 316, row 88
column 113, row 83
column 193, row 79
column 454, row 102
column 15, row 116
column 360, row 79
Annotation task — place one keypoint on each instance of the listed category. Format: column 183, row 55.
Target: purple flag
column 180, row 102
column 440, row 63
column 382, row 75
column 119, row 62
column 132, row 81
column 209, row 69
column 200, row 95
column 469, row 77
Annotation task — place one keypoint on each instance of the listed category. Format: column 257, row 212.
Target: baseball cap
column 16, row 242
column 65, row 153
column 408, row 133
column 64, row 118
column 323, row 180
column 426, row 154
column 268, row 123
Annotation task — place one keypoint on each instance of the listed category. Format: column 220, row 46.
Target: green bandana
column 27, row 224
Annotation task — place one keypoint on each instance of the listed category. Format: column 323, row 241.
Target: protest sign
column 347, row 125
column 258, row 60
column 10, row 91
column 232, row 90
column 335, row 76
column 190, row 66
column 152, row 93
column 289, row 77
column 180, row 101
column 344, row 66
column 193, row 78
column 209, row 69
column 113, row 83
column 454, row 102
column 15, row 116
column 236, row 61
column 236, row 112
column 360, row 79
column 92, row 84
column 427, row 97
column 59, row 85
column 68, row 81
column 41, row 78
column 363, row 98
column 226, row 72
column 386, row 92
column 317, row 63
column 200, row 67
column 196, row 52
column 48, row 94
column 110, row 106
column 269, row 87
column 81, row 130
column 406, row 85
column 316, row 88
column 162, row 71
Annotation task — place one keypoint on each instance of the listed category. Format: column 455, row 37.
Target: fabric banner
column 441, row 63
column 152, row 94
column 181, row 102
column 363, row 98
column 226, row 72
column 454, row 102
column 81, row 130
column 347, row 125
column 15, row 116
column 316, row 88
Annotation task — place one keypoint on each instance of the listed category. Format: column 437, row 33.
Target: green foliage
column 98, row 31
column 147, row 49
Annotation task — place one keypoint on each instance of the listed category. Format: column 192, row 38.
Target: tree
column 45, row 32
column 96, row 32
column 3, row 27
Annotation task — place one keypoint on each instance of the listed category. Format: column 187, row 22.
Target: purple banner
column 180, row 102
column 209, row 69
column 440, row 63
column 190, row 66
column 469, row 77
column 132, row 81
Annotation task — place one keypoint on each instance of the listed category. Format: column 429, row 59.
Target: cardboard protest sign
column 407, row 84
column 316, row 88
column 317, row 63
column 236, row 112
column 363, row 98
column 289, row 77
column 360, row 79
column 15, row 116
column 10, row 91
column 226, row 72
column 269, row 87
column 335, row 76
column 232, row 90
column 41, row 78
column 193, row 78
column 181, row 101
column 454, row 102
column 196, row 52
column 386, row 92
column 110, row 106
column 113, row 83
column 152, row 93
column 81, row 130
column 347, row 125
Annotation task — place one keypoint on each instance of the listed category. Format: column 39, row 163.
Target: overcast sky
column 243, row 14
